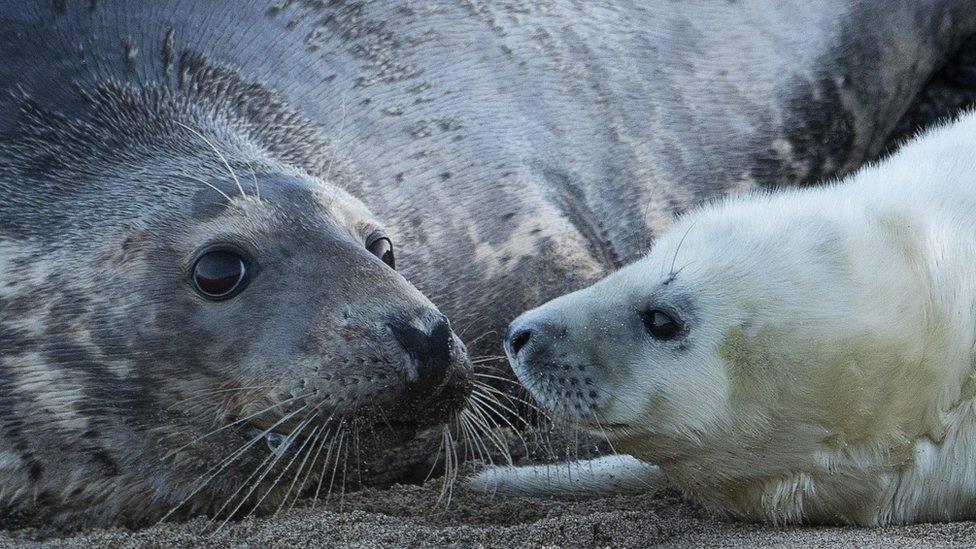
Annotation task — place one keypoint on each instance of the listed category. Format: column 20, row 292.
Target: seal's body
column 198, row 203
column 798, row 356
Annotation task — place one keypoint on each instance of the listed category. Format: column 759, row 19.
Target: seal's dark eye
column 382, row 248
column 661, row 325
column 219, row 274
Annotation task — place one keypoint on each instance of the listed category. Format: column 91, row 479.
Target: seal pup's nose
column 531, row 339
column 431, row 345
column 518, row 338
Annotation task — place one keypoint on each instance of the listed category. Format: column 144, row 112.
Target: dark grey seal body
column 511, row 152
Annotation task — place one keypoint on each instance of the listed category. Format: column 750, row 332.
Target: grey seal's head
column 190, row 322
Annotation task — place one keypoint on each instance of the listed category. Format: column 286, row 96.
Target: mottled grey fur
column 513, row 150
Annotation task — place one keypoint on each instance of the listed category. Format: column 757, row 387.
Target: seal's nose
column 518, row 338
column 431, row 345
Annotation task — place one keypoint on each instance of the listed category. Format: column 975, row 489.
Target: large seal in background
column 198, row 203
column 801, row 356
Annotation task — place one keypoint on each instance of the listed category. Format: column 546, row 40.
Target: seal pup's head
column 757, row 337
column 190, row 323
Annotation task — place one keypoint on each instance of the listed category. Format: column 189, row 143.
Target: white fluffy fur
column 828, row 370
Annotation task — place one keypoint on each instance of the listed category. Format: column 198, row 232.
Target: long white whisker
column 480, row 420
column 281, row 475
column 479, row 445
column 335, row 466
column 328, row 457
column 233, row 423
column 311, row 468
column 223, row 464
column 254, row 177
column 267, row 470
column 491, row 408
column 202, row 182
column 437, row 458
column 209, row 392
column 219, row 155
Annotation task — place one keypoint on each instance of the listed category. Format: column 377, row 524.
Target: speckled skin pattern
column 513, row 152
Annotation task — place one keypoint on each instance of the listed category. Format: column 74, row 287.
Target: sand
column 417, row 515
column 408, row 516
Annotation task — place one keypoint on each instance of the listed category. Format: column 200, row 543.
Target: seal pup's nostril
column 518, row 340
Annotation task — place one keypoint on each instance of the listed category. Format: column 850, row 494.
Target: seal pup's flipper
column 608, row 475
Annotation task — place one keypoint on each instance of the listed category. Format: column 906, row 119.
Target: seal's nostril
column 432, row 348
column 441, row 342
column 518, row 340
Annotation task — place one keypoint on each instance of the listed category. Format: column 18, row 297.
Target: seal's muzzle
column 439, row 373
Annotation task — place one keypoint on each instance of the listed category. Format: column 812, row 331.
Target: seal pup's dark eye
column 661, row 325
column 381, row 247
column 219, row 274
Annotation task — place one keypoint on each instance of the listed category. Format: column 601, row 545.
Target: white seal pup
column 801, row 356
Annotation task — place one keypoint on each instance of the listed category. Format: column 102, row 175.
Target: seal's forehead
column 264, row 202
column 216, row 197
column 290, row 195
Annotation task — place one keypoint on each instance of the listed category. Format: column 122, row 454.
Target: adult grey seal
column 798, row 356
column 199, row 200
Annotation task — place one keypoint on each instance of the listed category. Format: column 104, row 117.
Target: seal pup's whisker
column 359, row 457
column 678, row 249
column 532, row 405
column 382, row 413
column 227, row 501
column 502, row 416
column 474, row 341
column 301, row 468
column 335, row 464
column 471, row 439
column 433, row 466
column 219, row 155
column 465, row 438
column 450, row 468
column 345, row 466
column 489, row 358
